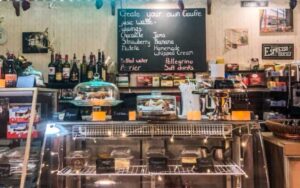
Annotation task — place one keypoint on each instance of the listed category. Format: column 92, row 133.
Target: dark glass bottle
column 59, row 70
column 104, row 68
column 83, row 70
column 10, row 73
column 98, row 66
column 51, row 70
column 74, row 74
column 66, row 70
column 90, row 68
column 2, row 68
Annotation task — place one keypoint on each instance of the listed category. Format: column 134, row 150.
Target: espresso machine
column 222, row 103
column 218, row 97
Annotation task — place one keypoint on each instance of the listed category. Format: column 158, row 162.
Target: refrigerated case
column 21, row 148
column 243, row 163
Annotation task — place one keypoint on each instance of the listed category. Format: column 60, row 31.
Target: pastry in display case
column 189, row 157
column 96, row 93
column 105, row 163
column 78, row 159
column 156, row 107
column 157, row 159
column 122, row 157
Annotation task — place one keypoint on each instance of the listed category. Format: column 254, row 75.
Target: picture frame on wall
column 35, row 42
column 276, row 20
column 278, row 51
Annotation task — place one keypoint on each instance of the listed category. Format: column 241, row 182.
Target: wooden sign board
column 278, row 51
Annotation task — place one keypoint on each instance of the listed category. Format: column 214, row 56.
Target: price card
column 132, row 115
column 99, row 116
column 2, row 83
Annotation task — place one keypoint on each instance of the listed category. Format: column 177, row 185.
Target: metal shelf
column 21, row 92
column 230, row 169
column 152, row 130
column 141, row 90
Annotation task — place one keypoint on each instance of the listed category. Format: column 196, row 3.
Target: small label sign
column 278, row 51
column 254, row 3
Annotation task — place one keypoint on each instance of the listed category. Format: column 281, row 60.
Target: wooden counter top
column 290, row 147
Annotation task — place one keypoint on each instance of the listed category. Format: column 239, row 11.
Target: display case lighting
column 172, row 139
column 124, row 135
column 52, row 129
column 104, row 182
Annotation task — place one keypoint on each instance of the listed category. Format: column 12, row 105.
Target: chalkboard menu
column 161, row 40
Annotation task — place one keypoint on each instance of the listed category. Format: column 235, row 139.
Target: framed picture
column 35, row 42
column 278, row 51
column 234, row 38
column 276, row 20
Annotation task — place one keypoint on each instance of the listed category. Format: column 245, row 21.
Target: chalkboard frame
column 202, row 54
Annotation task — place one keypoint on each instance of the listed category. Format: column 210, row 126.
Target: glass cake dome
column 96, row 93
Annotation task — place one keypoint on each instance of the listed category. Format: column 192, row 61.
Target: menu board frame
column 191, row 41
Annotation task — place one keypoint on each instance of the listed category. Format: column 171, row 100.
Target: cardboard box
column 144, row 81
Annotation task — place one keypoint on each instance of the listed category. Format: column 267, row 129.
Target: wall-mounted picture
column 35, row 42
column 276, row 20
column 235, row 38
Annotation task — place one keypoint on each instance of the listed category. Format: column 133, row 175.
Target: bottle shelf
column 212, row 130
column 230, row 169
column 61, row 85
column 138, row 90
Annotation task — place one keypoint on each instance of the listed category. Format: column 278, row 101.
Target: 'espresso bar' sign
column 278, row 51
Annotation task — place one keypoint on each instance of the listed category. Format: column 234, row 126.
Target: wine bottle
column 51, row 70
column 98, row 66
column 90, row 68
column 59, row 69
column 104, row 68
column 10, row 73
column 66, row 70
column 74, row 74
column 83, row 70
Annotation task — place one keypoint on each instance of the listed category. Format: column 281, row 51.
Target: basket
column 281, row 130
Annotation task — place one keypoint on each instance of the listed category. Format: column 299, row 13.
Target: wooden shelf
column 138, row 90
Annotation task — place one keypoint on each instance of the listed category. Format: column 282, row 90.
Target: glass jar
column 96, row 93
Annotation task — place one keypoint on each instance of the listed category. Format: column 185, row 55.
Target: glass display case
column 156, row 107
column 154, row 155
column 23, row 116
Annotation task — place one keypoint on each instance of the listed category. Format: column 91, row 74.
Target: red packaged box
column 19, row 116
column 144, row 81
column 20, row 130
column 256, row 79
